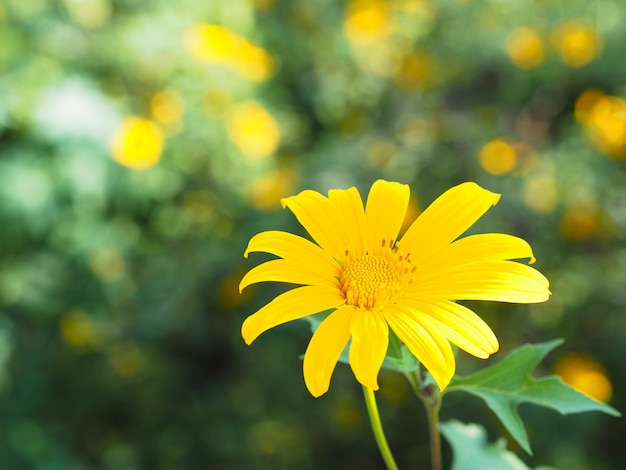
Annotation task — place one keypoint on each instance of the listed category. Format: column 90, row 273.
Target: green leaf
column 505, row 385
column 471, row 449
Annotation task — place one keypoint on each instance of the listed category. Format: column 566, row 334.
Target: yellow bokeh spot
column 585, row 374
column 267, row 191
column 126, row 359
column 581, row 221
column 585, row 104
column 577, row 43
column 262, row 5
column 167, row 107
column 106, row 264
column 497, row 157
column 218, row 45
column 137, row 144
column 383, row 154
column 89, row 14
column 367, row 21
column 606, row 125
column 77, row 329
column 253, row 130
column 417, row 72
column 540, row 194
column 525, row 48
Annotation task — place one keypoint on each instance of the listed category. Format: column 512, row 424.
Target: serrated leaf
column 504, row 386
column 471, row 449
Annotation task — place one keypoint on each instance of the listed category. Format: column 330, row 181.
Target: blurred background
column 143, row 143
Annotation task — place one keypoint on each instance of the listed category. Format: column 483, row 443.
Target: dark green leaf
column 505, row 385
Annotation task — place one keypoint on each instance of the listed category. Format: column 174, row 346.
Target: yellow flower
column 525, row 48
column 374, row 282
column 138, row 143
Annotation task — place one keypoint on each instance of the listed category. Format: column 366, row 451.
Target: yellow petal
column 446, row 219
column 350, row 207
column 384, row 212
column 291, row 305
column 370, row 338
column 482, row 247
column 424, row 341
column 324, row 349
column 459, row 325
column 294, row 248
column 293, row 272
column 504, row 281
column 321, row 219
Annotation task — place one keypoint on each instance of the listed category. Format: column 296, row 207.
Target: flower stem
column 377, row 427
column 432, row 411
column 431, row 398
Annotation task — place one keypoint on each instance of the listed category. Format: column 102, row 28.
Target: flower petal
column 370, row 338
column 294, row 248
column 448, row 217
column 321, row 219
column 424, row 341
column 503, row 281
column 350, row 207
column 384, row 212
column 325, row 347
column 459, row 325
column 482, row 247
column 291, row 305
column 282, row 270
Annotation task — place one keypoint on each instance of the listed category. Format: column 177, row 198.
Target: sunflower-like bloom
column 373, row 281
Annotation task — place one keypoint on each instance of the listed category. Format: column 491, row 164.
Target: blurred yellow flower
column 373, row 282
column 585, row 103
column 577, row 43
column 581, row 221
column 77, row 329
column 540, row 194
column 127, row 359
column 585, row 374
column 106, row 263
column 268, row 190
column 417, row 71
column 525, row 48
column 497, row 157
column 220, row 46
column 606, row 125
column 138, row 143
column 167, row 106
column 253, row 130
column 367, row 21
column 90, row 14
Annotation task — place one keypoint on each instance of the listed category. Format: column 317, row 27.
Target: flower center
column 370, row 281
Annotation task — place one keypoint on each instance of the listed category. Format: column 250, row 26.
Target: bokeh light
column 585, row 374
column 497, row 157
column 253, row 130
column 577, row 43
column 525, row 48
column 138, row 143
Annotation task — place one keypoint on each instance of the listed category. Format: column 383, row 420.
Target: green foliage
column 472, row 451
column 506, row 385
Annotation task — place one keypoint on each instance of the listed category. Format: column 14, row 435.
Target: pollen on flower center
column 370, row 281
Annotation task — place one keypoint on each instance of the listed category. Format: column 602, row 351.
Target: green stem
column 431, row 398
column 435, row 438
column 377, row 427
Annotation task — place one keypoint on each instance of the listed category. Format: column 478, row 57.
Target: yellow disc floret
column 370, row 281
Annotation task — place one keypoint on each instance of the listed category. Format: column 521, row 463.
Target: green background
column 120, row 319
